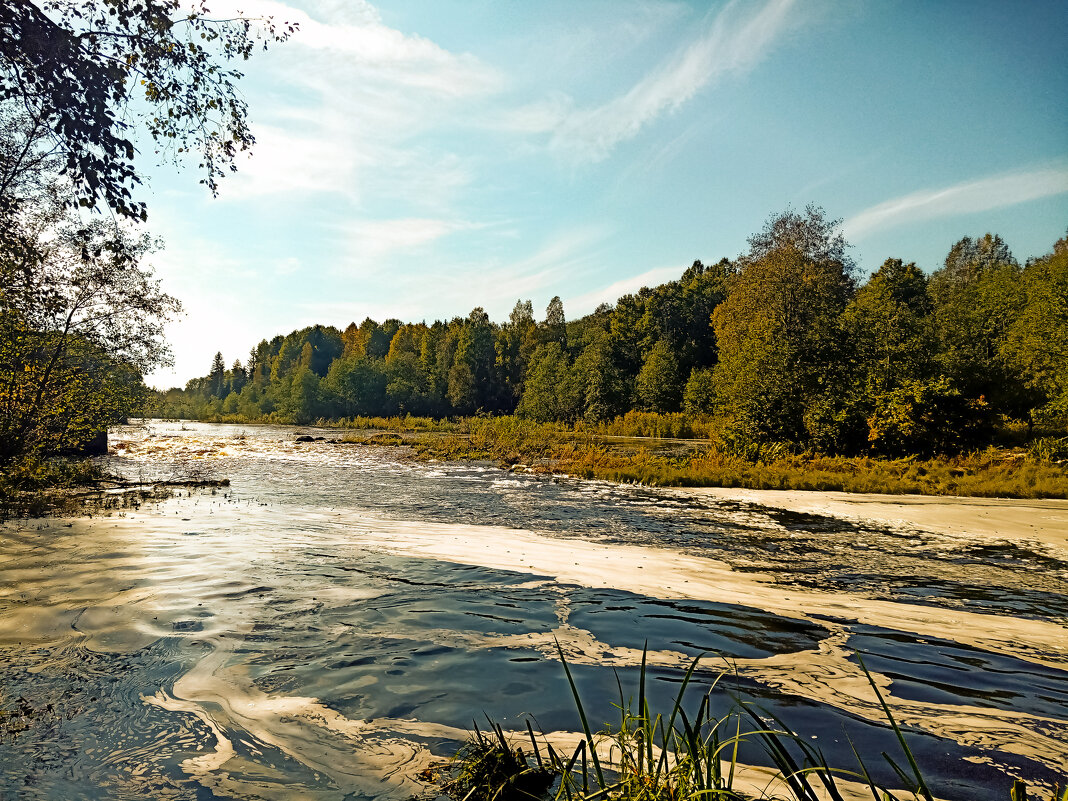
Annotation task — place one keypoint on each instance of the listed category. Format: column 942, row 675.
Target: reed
column 676, row 756
column 588, row 453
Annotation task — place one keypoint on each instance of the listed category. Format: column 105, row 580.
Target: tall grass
column 675, row 425
column 588, row 454
column 676, row 756
column 677, row 450
column 35, row 486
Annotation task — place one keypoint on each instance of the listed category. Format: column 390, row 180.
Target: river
column 333, row 621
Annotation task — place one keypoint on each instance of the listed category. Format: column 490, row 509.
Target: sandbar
column 1044, row 521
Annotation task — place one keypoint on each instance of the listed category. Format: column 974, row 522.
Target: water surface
column 274, row 639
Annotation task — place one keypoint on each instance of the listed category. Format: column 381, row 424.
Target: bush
column 927, row 417
column 1049, row 449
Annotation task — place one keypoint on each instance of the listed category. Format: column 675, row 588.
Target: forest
column 783, row 346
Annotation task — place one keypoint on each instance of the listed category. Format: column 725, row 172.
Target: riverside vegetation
column 791, row 371
column 651, row 756
column 81, row 316
column 672, row 450
column 605, row 452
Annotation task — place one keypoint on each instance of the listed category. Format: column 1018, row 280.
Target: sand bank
column 661, row 573
column 1043, row 521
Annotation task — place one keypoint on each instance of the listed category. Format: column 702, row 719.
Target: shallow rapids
column 333, row 621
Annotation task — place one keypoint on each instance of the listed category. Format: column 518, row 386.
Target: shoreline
column 685, row 463
column 545, row 565
column 1040, row 520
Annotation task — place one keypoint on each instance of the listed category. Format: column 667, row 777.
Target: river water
column 333, row 621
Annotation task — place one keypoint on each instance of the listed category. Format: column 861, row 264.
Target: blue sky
column 420, row 158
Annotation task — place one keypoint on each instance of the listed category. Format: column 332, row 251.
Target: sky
column 419, row 158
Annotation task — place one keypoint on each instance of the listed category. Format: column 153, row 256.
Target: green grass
column 676, row 756
column 674, row 450
column 33, row 487
column 586, row 454
column 674, row 425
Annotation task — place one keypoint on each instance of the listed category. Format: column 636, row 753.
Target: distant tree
column 303, row 402
column 702, row 290
column 251, row 402
column 777, row 331
column 406, row 385
column 887, row 342
column 445, row 345
column 217, row 376
column 408, row 340
column 810, row 233
column 351, row 340
column 659, row 386
column 605, row 392
column 314, row 347
column 699, row 395
column 967, row 261
column 433, row 356
column 555, row 329
column 626, row 335
column 1035, row 343
column 887, row 323
column 926, row 417
column 472, row 381
column 515, row 344
column 261, row 357
column 977, row 295
column 375, row 339
column 237, row 377
column 359, row 385
column 550, row 393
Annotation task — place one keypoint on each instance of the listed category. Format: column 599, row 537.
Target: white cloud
column 337, row 108
column 198, row 273
column 372, row 240
column 557, row 261
column 735, row 41
column 583, row 304
column 454, row 286
column 993, row 192
column 290, row 162
column 287, row 266
column 540, row 116
column 355, row 31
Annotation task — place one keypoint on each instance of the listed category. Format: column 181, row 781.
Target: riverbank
column 334, row 620
column 672, row 450
column 1043, row 521
column 676, row 462
column 61, row 488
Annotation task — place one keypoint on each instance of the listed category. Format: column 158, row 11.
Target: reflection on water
column 259, row 642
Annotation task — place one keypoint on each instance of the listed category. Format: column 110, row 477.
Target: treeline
column 781, row 346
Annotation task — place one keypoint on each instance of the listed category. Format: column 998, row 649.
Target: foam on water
column 335, row 618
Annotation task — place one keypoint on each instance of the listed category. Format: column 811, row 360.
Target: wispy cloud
column 583, row 304
column 372, row 240
column 993, row 192
column 734, row 41
column 354, row 28
column 294, row 162
column 457, row 285
column 344, row 101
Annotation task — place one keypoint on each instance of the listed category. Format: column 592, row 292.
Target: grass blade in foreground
column 688, row 767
